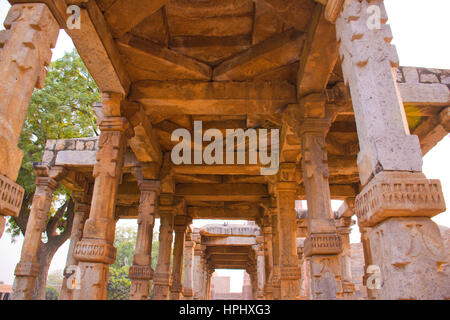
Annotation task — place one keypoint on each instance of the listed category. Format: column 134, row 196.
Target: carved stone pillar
column 344, row 229
column 198, row 253
column 27, row 270
column 71, row 272
column 260, row 268
column 402, row 245
column 31, row 32
column 286, row 189
column 323, row 244
column 162, row 279
column 301, row 263
column 96, row 251
column 397, row 201
column 180, row 226
column 276, row 289
column 188, row 290
column 268, row 256
column 141, row 271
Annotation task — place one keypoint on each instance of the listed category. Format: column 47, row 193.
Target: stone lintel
column 398, row 194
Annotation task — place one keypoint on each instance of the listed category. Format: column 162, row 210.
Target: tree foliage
column 119, row 284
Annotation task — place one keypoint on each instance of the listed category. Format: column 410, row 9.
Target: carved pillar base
column 161, row 286
column 405, row 248
column 94, row 277
column 325, row 279
column 140, row 282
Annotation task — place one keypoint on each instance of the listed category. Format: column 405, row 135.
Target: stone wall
column 68, row 151
column 423, row 75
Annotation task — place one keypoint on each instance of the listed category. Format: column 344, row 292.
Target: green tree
column 61, row 110
column 118, row 287
column 51, row 293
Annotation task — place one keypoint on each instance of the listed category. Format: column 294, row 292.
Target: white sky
column 420, row 29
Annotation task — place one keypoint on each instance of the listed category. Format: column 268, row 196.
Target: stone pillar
column 162, row 279
column 27, row 270
column 210, row 272
column 25, row 50
column 141, row 271
column 188, row 290
column 344, row 229
column 286, row 189
column 268, row 256
column 260, row 267
column 323, row 244
column 71, row 272
column 96, row 251
column 301, row 262
column 180, row 226
column 276, row 291
column 198, row 254
column 397, row 200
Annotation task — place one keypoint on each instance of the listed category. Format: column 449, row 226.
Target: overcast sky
column 420, row 29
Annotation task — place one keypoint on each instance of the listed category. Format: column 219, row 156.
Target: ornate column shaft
column 31, row 32
column 162, row 279
column 198, row 253
column 260, row 268
column 180, row 226
column 70, row 281
column 141, row 271
column 344, row 229
column 27, row 270
column 268, row 256
column 286, row 190
column 96, row 251
column 407, row 253
column 276, row 291
column 323, row 244
column 188, row 290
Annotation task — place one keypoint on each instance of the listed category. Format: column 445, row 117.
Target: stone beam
column 124, row 15
column 224, row 98
column 221, row 192
column 160, row 63
column 276, row 51
column 433, row 130
column 319, row 55
column 214, row 212
column 337, row 192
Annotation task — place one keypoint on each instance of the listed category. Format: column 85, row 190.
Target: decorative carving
column 27, row 269
column 317, row 244
column 140, row 272
column 398, row 194
column 11, row 196
column 90, row 250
